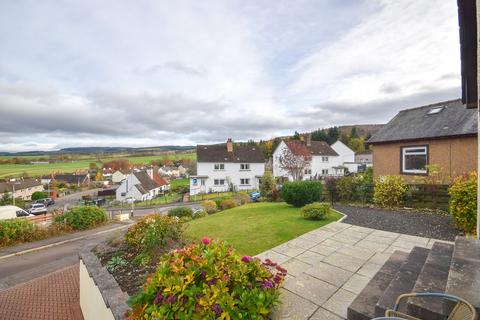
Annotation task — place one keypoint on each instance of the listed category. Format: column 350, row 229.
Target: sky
column 151, row 72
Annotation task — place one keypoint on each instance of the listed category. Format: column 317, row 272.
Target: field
column 35, row 170
column 255, row 227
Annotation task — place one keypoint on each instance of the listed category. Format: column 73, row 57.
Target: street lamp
column 13, row 191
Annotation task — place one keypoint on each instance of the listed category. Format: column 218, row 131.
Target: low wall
column 100, row 295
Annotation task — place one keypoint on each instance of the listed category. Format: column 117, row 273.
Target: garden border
column 115, row 300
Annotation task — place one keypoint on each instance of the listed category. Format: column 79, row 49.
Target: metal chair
column 462, row 310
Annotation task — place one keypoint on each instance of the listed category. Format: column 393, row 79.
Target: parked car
column 10, row 212
column 255, row 195
column 37, row 208
column 46, row 201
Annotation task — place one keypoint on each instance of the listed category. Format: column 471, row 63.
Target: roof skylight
column 435, row 110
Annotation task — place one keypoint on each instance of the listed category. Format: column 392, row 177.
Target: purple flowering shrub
column 209, row 280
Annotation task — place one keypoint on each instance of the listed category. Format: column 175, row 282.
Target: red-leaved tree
column 295, row 159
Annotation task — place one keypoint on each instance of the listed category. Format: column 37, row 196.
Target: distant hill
column 363, row 130
column 104, row 150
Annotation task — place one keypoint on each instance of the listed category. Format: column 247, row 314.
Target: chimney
column 309, row 140
column 229, row 145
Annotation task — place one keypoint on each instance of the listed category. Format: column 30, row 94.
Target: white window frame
column 324, row 159
column 244, row 166
column 307, row 171
column 405, row 151
column 324, row 171
column 219, row 166
column 219, row 182
column 244, row 181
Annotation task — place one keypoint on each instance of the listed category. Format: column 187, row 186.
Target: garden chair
column 461, row 311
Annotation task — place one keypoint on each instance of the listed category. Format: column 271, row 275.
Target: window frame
column 324, row 171
column 219, row 182
column 325, row 159
column 247, row 180
column 414, row 171
column 246, row 166
column 221, row 166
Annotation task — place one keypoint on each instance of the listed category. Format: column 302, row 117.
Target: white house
column 227, row 166
column 334, row 160
column 118, row 176
column 23, row 188
column 138, row 186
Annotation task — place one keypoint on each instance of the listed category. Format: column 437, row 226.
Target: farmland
column 80, row 162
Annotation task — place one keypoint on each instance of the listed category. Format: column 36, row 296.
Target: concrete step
column 403, row 281
column 432, row 278
column 464, row 276
column 363, row 307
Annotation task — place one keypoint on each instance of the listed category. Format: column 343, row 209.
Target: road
column 72, row 198
column 22, row 268
column 138, row 212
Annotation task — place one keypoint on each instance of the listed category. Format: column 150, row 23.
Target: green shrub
column 208, row 280
column 300, row 193
column 219, row 200
column 266, row 184
column 37, row 195
column 200, row 214
column 241, row 198
column 115, row 263
column 84, row 217
column 463, row 202
column 345, row 188
column 316, row 211
column 209, row 206
column 389, row 191
column 151, row 234
column 17, row 230
column 180, row 212
column 227, row 204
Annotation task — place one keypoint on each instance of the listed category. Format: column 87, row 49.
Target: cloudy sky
column 151, row 72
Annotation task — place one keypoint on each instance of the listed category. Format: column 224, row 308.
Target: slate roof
column 242, row 153
column 414, row 124
column 321, row 148
column 19, row 185
column 145, row 181
column 71, row 178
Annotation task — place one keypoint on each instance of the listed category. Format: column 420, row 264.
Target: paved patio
column 329, row 267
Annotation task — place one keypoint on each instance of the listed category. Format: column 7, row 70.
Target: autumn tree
column 356, row 144
column 120, row 164
column 295, row 159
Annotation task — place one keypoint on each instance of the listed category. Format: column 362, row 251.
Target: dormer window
column 244, row 166
column 219, row 166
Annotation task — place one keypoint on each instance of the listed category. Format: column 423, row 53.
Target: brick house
column 442, row 134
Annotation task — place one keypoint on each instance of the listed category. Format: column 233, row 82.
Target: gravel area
column 422, row 224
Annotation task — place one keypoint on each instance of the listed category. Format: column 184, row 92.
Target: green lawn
column 255, row 227
column 180, row 183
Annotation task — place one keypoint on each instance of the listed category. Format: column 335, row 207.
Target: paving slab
column 313, row 289
column 324, row 314
column 274, row 256
column 295, row 267
column 328, row 273
column 339, row 302
column 344, row 261
column 311, row 257
column 293, row 307
column 356, row 283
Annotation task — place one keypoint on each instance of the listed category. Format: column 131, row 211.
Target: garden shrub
column 84, row 217
column 209, row 206
column 228, row 204
column 241, row 198
column 199, row 214
column 316, row 211
column 17, row 230
column 345, row 188
column 300, row 193
column 219, row 200
column 463, row 202
column 209, row 280
column 267, row 184
column 151, row 234
column 180, row 212
column 38, row 195
column 389, row 191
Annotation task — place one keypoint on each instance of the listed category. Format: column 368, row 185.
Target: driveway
column 72, row 198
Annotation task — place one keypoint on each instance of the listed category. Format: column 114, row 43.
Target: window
column 324, row 171
column 414, row 159
column 435, row 110
column 244, row 182
column 308, row 171
column 219, row 166
column 324, row 159
column 219, row 182
column 202, row 182
column 244, row 166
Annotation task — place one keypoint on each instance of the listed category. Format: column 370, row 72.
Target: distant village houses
column 21, row 188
